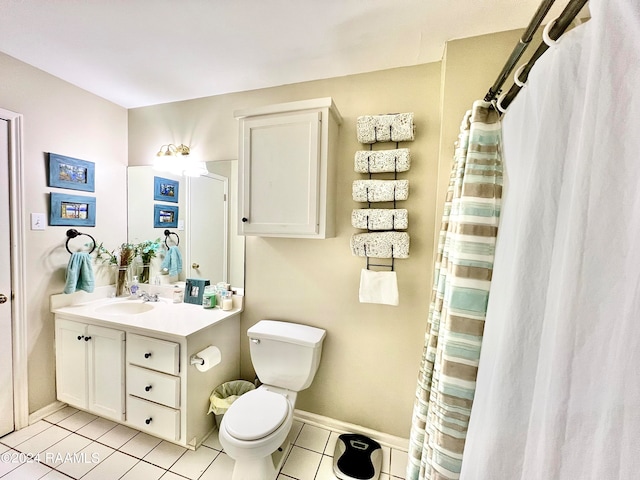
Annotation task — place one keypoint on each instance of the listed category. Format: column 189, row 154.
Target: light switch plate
column 180, row 224
column 38, row 221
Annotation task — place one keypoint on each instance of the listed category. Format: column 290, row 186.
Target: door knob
column 3, row 298
column 195, row 265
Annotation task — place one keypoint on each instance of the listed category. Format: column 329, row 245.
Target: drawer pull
column 86, row 339
column 148, row 420
column 147, row 355
column 80, row 337
column 148, row 388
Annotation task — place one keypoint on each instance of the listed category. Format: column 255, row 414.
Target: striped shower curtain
column 463, row 268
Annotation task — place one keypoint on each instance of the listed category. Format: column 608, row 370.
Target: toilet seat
column 256, row 414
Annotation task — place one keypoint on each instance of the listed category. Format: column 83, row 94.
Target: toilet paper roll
column 211, row 357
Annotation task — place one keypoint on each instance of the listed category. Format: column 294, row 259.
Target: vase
column 144, row 275
column 122, row 277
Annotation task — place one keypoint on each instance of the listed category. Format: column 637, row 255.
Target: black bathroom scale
column 357, row 458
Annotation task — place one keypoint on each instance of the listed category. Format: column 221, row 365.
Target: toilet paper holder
column 196, row 360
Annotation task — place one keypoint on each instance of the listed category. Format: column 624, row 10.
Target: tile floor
column 75, row 444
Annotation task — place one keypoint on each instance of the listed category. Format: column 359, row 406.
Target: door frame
column 18, row 265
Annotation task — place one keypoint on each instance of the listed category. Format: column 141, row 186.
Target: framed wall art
column 72, row 173
column 165, row 216
column 77, row 210
column 165, row 189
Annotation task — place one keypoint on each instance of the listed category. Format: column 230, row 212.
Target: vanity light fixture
column 177, row 160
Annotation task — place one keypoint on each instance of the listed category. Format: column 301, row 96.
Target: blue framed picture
column 77, row 210
column 72, row 173
column 165, row 189
column 194, row 290
column 165, row 216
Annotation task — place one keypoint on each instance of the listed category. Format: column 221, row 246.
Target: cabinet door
column 106, row 372
column 280, row 161
column 71, row 364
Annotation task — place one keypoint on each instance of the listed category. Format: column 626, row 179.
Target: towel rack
column 73, row 233
column 166, row 237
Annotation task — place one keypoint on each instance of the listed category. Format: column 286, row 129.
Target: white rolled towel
column 393, row 127
column 380, row 161
column 380, row 190
column 379, row 244
column 380, row 218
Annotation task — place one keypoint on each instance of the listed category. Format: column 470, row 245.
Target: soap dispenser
column 133, row 289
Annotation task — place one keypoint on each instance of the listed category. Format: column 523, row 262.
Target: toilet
column 254, row 430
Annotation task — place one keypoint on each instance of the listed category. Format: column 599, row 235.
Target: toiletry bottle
column 133, row 288
column 177, row 296
column 209, row 297
column 227, row 301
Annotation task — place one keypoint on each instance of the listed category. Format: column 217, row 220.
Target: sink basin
column 124, row 308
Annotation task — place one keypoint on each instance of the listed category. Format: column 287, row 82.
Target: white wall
column 61, row 118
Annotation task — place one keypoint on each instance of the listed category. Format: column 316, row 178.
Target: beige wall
column 371, row 353
column 64, row 119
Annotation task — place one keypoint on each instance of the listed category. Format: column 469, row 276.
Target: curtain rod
column 557, row 29
column 519, row 49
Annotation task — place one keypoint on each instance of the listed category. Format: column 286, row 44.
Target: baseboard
column 46, row 411
column 385, row 439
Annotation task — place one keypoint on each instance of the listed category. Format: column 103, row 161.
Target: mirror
column 205, row 228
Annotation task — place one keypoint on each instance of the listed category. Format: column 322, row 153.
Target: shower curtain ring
column 516, row 76
column 545, row 33
column 499, row 103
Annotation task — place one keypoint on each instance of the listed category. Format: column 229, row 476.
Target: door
column 71, row 363
column 207, row 225
column 106, row 371
column 6, row 347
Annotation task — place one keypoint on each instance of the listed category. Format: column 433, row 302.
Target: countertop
column 181, row 319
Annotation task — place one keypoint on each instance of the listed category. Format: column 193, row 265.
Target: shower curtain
column 446, row 380
column 558, row 388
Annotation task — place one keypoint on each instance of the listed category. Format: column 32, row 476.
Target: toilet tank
column 285, row 354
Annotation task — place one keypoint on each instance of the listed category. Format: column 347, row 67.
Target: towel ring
column 166, row 237
column 73, row 233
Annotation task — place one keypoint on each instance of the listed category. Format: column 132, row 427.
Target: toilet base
column 265, row 468
column 255, row 469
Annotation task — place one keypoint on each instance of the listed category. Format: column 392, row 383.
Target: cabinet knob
column 80, row 337
column 147, row 355
column 148, row 420
column 245, row 219
column 148, row 387
column 86, row 339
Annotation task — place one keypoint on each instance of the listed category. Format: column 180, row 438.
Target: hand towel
column 379, row 190
column 79, row 273
column 378, row 287
column 172, row 261
column 380, row 244
column 380, row 218
column 393, row 127
column 380, row 161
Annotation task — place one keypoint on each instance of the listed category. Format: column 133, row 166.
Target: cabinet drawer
column 153, row 353
column 153, row 418
column 155, row 386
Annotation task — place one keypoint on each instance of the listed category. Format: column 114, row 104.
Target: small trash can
column 357, row 458
column 224, row 395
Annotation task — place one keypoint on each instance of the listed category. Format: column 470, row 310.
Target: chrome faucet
column 146, row 297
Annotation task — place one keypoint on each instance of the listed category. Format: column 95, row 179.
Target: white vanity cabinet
column 136, row 369
column 90, row 368
column 287, row 169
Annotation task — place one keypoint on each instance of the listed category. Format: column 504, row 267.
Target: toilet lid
column 256, row 414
